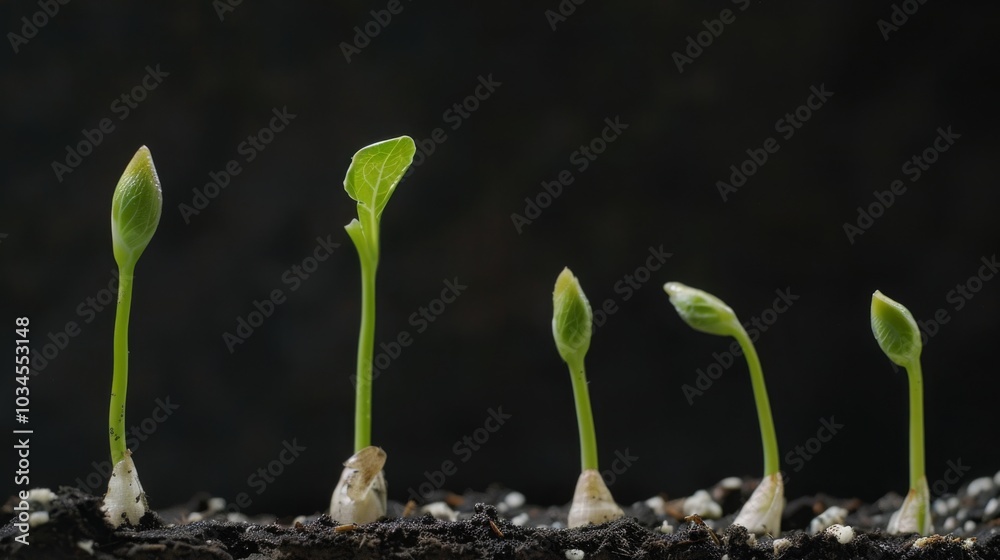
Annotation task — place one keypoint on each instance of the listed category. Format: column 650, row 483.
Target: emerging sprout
column 572, row 325
column 704, row 312
column 372, row 177
column 135, row 213
column 899, row 337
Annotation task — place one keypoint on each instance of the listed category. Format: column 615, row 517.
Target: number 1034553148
column 22, row 356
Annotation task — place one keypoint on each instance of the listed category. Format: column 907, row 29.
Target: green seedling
column 135, row 213
column 899, row 337
column 374, row 173
column 572, row 325
column 704, row 312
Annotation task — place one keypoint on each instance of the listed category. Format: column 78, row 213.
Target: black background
column 654, row 185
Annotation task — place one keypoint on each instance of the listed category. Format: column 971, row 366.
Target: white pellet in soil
column 574, row 554
column 440, row 510
column 979, row 485
column 780, row 545
column 731, row 483
column 657, row 504
column 667, row 528
column 940, row 507
column 514, row 499
column 991, row 507
column 43, row 496
column 832, row 516
column 843, row 534
column 701, row 503
column 38, row 518
column 520, row 520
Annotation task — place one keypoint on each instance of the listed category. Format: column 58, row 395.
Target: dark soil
column 76, row 529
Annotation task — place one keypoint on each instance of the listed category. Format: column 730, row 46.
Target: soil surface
column 498, row 524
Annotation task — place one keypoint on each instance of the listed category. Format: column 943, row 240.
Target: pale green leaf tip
column 572, row 317
column 136, row 207
column 701, row 310
column 377, row 195
column 895, row 330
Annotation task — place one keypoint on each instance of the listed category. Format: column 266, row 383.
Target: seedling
column 135, row 214
column 704, row 312
column 374, row 173
column 899, row 337
column 572, row 325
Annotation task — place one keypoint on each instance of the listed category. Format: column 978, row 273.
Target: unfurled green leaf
column 376, row 170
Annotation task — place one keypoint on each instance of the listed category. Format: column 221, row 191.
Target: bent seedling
column 572, row 325
column 135, row 215
column 374, row 173
column 899, row 337
column 706, row 313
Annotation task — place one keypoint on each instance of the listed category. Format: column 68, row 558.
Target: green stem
column 916, row 423
column 119, row 382
column 584, row 416
column 767, row 435
column 366, row 346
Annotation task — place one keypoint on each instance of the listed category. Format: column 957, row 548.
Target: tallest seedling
column 375, row 171
column 135, row 214
column 899, row 337
column 706, row 313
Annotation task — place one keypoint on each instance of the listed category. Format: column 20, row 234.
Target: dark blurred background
column 215, row 74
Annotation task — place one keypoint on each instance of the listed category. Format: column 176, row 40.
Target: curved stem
column 119, row 382
column 916, row 423
column 584, row 416
column 767, row 435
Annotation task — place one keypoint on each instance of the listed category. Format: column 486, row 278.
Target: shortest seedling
column 706, row 313
column 899, row 337
column 135, row 213
column 572, row 325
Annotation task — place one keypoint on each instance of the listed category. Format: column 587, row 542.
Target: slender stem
column 366, row 346
column 584, row 416
column 119, row 382
column 916, row 423
column 767, row 435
